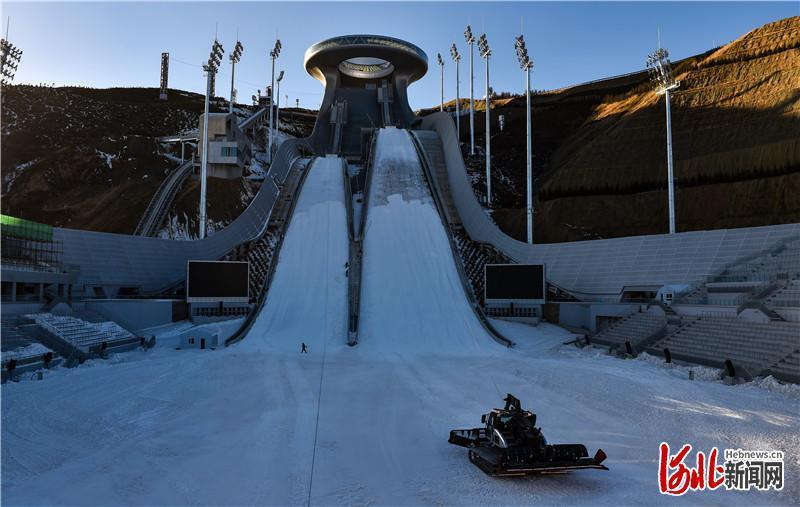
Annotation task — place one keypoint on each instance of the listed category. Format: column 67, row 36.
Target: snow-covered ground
column 261, row 424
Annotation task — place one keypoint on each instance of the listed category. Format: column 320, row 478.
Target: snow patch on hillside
column 108, row 158
column 11, row 175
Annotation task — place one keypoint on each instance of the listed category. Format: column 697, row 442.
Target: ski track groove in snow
column 237, row 426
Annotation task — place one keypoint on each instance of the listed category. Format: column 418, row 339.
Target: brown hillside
column 87, row 158
column 600, row 148
column 733, row 118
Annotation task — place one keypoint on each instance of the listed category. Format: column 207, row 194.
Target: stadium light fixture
column 526, row 64
column 216, row 58
column 485, row 52
column 454, row 54
column 235, row 56
column 10, row 56
column 660, row 70
column 471, row 42
column 278, row 102
column 210, row 68
column 440, row 63
column 274, row 54
column 164, row 76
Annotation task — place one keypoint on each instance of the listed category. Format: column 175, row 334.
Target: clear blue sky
column 120, row 44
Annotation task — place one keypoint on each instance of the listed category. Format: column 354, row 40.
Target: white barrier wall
column 134, row 313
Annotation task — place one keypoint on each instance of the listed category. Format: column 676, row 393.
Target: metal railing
column 159, row 205
column 258, row 114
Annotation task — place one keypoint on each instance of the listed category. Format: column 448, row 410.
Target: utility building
column 228, row 146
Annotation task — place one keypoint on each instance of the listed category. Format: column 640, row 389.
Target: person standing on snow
column 303, row 348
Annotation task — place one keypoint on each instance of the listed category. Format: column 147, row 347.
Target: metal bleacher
column 788, row 367
column 787, row 297
column 756, row 346
column 711, row 327
column 12, row 336
column 21, row 350
column 83, row 335
column 475, row 256
column 638, row 329
column 783, row 261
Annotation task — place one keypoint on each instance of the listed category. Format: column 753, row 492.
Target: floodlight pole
column 471, row 42
column 660, row 70
column 233, row 70
column 457, row 59
column 278, row 107
column 274, row 54
column 526, row 64
column 440, row 62
column 670, row 173
column 204, row 159
column 211, row 67
column 278, row 103
column 488, row 140
column 486, row 53
column 458, row 106
column 528, row 158
column 271, row 101
column 441, row 108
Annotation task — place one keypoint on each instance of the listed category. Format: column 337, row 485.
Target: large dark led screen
column 515, row 281
column 208, row 279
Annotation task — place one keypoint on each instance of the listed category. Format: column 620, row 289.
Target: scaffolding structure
column 29, row 245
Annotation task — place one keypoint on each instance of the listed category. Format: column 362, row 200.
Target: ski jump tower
column 366, row 79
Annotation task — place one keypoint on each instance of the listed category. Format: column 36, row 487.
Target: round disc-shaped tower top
column 366, row 57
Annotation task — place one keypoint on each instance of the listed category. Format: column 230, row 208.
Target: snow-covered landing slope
column 412, row 298
column 307, row 301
